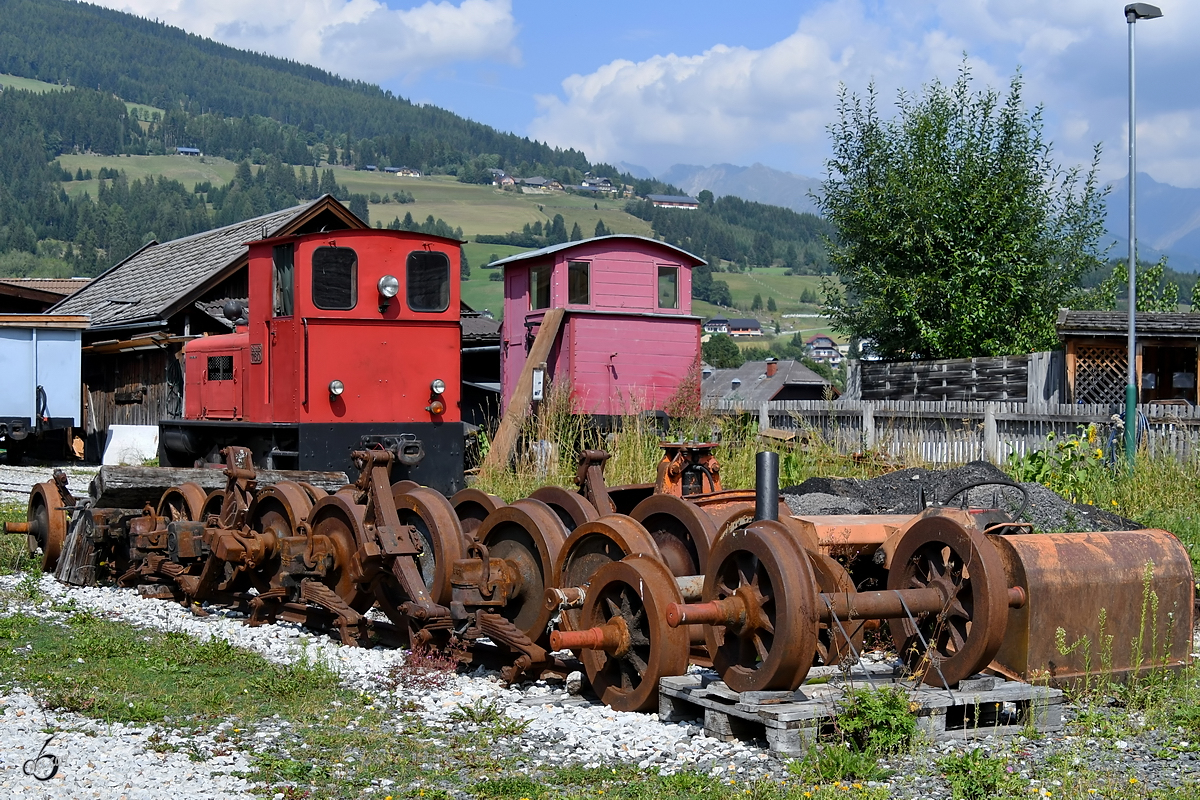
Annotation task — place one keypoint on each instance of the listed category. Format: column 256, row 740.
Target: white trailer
column 40, row 377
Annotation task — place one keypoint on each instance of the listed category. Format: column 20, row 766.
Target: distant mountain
column 757, row 182
column 1168, row 222
column 636, row 170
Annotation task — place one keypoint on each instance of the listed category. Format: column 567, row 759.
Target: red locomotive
column 351, row 341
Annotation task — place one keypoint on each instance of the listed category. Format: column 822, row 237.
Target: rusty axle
column 731, row 611
column 612, row 637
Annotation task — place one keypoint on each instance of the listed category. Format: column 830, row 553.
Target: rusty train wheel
column 47, row 523
column 594, row 545
column 275, row 514
column 937, row 552
column 530, row 536
column 213, row 503
column 183, row 502
column 636, row 592
column 774, row 645
column 339, row 524
column 472, row 506
column 832, row 647
column 434, row 518
column 314, row 493
column 683, row 532
column 571, row 507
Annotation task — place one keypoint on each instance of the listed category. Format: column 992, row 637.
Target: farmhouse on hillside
column 627, row 338
column 673, row 201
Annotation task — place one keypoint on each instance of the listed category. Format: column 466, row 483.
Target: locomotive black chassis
column 316, row 446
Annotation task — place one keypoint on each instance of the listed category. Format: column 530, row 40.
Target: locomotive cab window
column 428, row 279
column 539, row 288
column 668, row 287
column 577, row 283
column 334, row 278
column 285, row 299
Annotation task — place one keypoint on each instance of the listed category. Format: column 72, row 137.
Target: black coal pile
column 904, row 491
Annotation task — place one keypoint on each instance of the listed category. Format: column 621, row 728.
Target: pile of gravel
column 902, row 492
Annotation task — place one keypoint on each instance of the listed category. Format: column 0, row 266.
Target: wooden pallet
column 791, row 721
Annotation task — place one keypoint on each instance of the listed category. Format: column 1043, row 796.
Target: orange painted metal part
column 1096, row 585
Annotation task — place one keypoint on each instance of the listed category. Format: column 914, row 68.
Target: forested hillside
column 285, row 123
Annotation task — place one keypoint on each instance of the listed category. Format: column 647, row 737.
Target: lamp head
column 1136, row 11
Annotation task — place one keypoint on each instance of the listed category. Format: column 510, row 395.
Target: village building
column 745, row 326
column 757, row 382
column 824, row 349
column 627, row 338
column 35, row 295
column 1096, row 350
column 673, row 201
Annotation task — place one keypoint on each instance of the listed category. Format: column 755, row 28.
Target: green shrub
column 975, row 776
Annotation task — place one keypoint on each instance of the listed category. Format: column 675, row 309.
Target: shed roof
column 615, row 239
column 49, row 289
column 755, row 386
column 160, row 279
column 1116, row 324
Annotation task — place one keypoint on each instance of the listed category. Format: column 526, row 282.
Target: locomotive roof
column 159, row 280
column 615, row 239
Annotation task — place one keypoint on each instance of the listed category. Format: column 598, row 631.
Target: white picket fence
column 958, row 431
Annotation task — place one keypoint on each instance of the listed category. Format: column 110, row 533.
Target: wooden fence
column 959, row 431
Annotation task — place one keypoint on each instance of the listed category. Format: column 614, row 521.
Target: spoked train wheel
column 774, row 640
column 938, row 553
column 629, row 598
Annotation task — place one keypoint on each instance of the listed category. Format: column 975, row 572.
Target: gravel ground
column 106, row 761
column 15, row 482
column 900, row 492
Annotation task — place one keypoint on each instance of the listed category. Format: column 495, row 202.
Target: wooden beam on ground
column 510, row 425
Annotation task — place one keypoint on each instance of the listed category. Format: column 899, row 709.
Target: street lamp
column 1133, row 12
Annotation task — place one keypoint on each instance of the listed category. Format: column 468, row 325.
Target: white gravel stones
column 15, row 482
column 106, row 761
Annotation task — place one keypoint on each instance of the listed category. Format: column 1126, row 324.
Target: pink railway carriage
column 628, row 337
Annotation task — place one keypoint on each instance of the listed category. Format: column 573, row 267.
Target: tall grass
column 551, row 440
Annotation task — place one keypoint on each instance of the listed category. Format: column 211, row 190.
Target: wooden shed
column 627, row 337
column 1167, row 357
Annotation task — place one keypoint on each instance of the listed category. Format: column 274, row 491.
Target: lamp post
column 1133, row 12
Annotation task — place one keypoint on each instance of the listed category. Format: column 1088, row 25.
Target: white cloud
column 772, row 104
column 354, row 38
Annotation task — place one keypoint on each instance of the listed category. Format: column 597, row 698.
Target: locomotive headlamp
column 438, row 386
column 388, row 286
column 336, row 388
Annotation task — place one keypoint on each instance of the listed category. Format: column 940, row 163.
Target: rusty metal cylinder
column 1123, row 601
column 766, row 487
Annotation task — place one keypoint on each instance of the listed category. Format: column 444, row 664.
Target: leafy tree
column 722, row 352
column 1153, row 292
column 771, row 304
column 756, row 303
column 957, row 234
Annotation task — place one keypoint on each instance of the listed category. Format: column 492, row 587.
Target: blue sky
column 659, row 83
